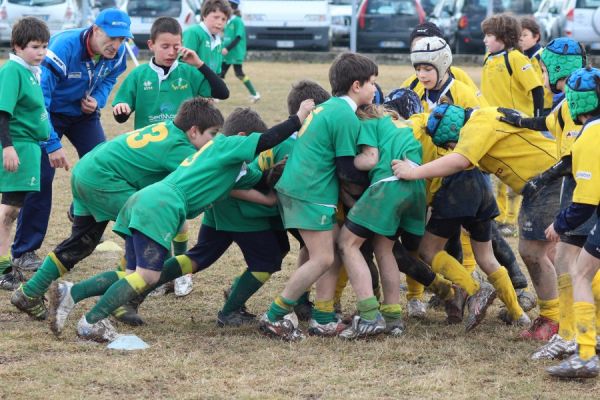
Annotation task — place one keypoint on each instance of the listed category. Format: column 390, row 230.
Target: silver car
column 583, row 23
column 552, row 17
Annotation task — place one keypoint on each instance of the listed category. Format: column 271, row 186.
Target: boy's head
column 29, row 40
column 353, row 75
column 530, row 33
column 426, row 29
column 200, row 119
column 215, row 14
column 235, row 4
column 445, row 122
column 583, row 93
column 305, row 89
column 431, row 58
column 165, row 40
column 405, row 102
column 560, row 58
column 501, row 32
column 243, row 120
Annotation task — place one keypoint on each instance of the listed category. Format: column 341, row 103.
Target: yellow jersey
column 586, row 164
column 563, row 128
column 458, row 92
column 535, row 63
column 507, row 79
column 513, row 154
column 458, row 74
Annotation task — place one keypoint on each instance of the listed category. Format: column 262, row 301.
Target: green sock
column 50, row 270
column 280, row 307
column 391, row 312
column 180, row 243
column 243, row 288
column 5, row 264
column 97, row 285
column 323, row 311
column 173, row 268
column 249, row 86
column 304, row 299
column 368, row 308
column 119, row 293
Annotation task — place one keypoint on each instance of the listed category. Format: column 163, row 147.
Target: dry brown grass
column 191, row 358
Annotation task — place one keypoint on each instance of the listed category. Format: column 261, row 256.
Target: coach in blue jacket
column 78, row 73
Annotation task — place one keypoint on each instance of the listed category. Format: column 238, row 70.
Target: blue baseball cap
column 114, row 22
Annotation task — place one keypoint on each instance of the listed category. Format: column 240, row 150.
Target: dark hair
column 305, row 89
column 29, row 29
column 164, row 25
column 198, row 112
column 426, row 29
column 505, row 27
column 531, row 25
column 215, row 5
column 348, row 68
column 243, row 120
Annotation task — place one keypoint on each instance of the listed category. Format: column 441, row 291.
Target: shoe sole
column 481, row 316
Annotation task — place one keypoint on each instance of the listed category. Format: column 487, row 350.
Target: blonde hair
column 372, row 111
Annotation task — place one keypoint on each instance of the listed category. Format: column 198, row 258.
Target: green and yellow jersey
column 205, row 44
column 513, row 154
column 235, row 27
column 156, row 97
column 330, row 131
column 563, row 128
column 507, row 80
column 586, row 165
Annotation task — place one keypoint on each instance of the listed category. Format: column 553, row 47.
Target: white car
column 583, row 23
column 341, row 18
column 552, row 17
column 58, row 14
column 143, row 13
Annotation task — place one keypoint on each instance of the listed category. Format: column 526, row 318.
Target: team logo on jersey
column 180, row 84
column 44, row 116
column 33, row 80
column 572, row 134
column 33, row 181
column 148, row 85
column 74, row 75
column 586, row 175
column 526, row 67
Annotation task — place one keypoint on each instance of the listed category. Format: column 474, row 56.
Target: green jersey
column 235, row 27
column 394, row 140
column 206, row 45
column 156, row 97
column 21, row 96
column 330, row 131
column 136, row 159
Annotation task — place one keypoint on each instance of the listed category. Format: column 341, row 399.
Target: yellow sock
column 443, row 263
column 566, row 328
column 502, row 202
column 549, row 309
column 324, row 306
column 442, row 287
column 340, row 285
column 122, row 266
column 468, row 257
column 415, row 289
column 506, row 292
column 596, row 292
column 585, row 314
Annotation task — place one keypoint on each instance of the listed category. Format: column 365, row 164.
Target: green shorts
column 386, row 207
column 157, row 211
column 101, row 203
column 27, row 176
column 301, row 214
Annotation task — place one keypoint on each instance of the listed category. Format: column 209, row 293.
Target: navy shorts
column 480, row 231
column 566, row 197
column 592, row 244
column 538, row 213
column 14, row 199
column 262, row 250
column 144, row 252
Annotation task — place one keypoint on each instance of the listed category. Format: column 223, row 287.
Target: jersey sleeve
column 345, row 134
column 241, row 148
column 368, row 134
column 524, row 71
column 202, row 87
column 586, row 168
column 477, row 137
column 192, row 40
column 127, row 91
column 552, row 122
column 460, row 75
column 9, row 91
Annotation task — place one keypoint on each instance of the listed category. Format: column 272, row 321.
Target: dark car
column 385, row 25
column 461, row 19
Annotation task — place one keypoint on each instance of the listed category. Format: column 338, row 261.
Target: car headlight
column 255, row 17
column 315, row 17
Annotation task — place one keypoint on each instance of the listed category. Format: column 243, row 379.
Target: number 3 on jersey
column 141, row 137
column 308, row 120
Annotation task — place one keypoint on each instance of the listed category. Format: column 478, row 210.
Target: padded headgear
column 583, row 91
column 405, row 102
column 445, row 122
column 432, row 51
column 562, row 56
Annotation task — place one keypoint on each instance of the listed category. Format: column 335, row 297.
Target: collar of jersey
column 444, row 91
column 215, row 40
column 534, row 50
column 160, row 72
column 498, row 53
column 34, row 69
column 350, row 102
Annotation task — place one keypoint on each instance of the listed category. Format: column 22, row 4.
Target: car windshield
column 153, row 8
column 341, row 2
column 500, row 6
column 391, row 7
column 37, row 3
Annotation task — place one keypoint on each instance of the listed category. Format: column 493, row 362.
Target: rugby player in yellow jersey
column 582, row 96
column 514, row 155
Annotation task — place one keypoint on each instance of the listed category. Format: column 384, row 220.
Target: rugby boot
column 33, row 306
column 541, row 329
column 478, row 304
column 574, row 367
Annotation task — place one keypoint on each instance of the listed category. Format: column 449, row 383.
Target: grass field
column 191, row 358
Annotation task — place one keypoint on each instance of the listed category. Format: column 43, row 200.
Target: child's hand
column 551, row 234
column 10, row 158
column 275, row 173
column 403, row 169
column 224, row 51
column 305, row 108
column 189, row 56
column 121, row 109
